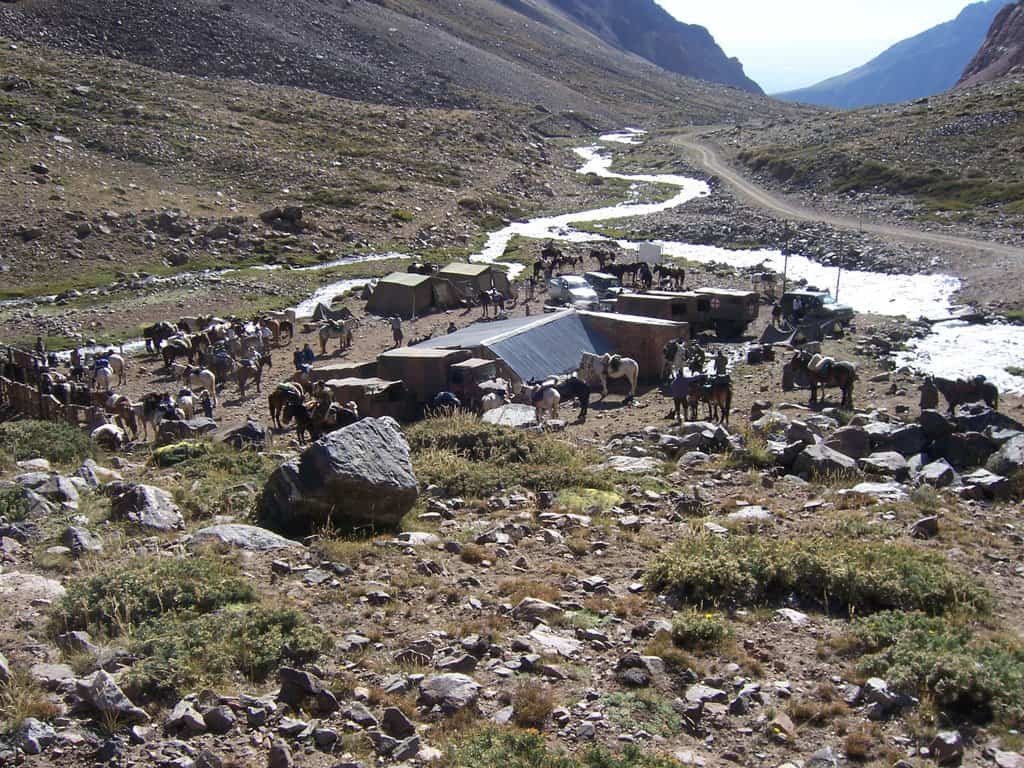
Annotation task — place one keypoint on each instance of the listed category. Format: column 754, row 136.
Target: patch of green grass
column 472, row 459
column 54, row 441
column 402, row 215
column 965, row 671
column 512, row 748
column 22, row 697
column 208, row 479
column 117, row 601
column 698, row 631
column 643, row 710
column 583, row 500
column 182, row 651
column 848, row 576
column 13, row 504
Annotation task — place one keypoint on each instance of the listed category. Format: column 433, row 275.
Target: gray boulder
column 820, row 460
column 176, row 431
column 1009, row 459
column 982, row 484
column 935, row 424
column 34, row 736
column 880, row 434
column 451, row 692
column 252, row 434
column 146, row 506
column 939, row 474
column 854, row 442
column 81, row 541
column 361, row 474
column 60, row 489
column 103, row 694
column 886, row 464
column 909, row 440
column 248, row 537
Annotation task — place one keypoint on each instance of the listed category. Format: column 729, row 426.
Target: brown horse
column 799, row 372
column 677, row 275
column 716, row 391
column 282, row 395
column 960, row 391
column 251, row 369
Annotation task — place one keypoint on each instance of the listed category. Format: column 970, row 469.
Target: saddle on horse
column 820, row 365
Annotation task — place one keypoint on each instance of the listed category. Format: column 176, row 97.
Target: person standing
column 721, row 364
column 396, row 330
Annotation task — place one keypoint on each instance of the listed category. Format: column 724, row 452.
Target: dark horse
column 676, row 274
column 800, row 372
column 157, row 334
column 960, row 391
column 574, row 388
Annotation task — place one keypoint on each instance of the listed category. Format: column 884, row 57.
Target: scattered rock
column 247, row 537
column 947, row 748
column 34, row 736
column 106, row 697
column 146, row 506
column 531, row 609
column 451, row 692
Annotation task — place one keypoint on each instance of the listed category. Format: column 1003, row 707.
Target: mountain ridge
column 1003, row 49
column 923, row 65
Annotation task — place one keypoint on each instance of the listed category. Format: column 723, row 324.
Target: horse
column 180, row 347
column 645, row 276
column 222, row 365
column 119, row 365
column 251, row 369
column 816, row 372
column 109, row 436
column 716, row 392
column 202, row 378
column 121, row 408
column 492, row 400
column 960, row 391
column 603, row 258
column 675, row 275
column 187, row 402
column 608, row 366
column 305, row 424
column 101, row 378
column 156, row 334
column 278, row 400
column 341, row 330
column 489, row 298
column 621, row 270
column 545, row 399
column 278, row 327
column 153, row 409
column 573, row 388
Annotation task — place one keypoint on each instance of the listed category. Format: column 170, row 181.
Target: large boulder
column 909, row 440
column 821, row 461
column 963, row 449
column 252, row 434
column 880, row 434
column 935, row 424
column 102, row 694
column 938, row 474
column 977, row 417
column 359, row 475
column 854, row 442
column 886, row 464
column 451, row 692
column 176, row 431
column 1009, row 459
column 145, row 505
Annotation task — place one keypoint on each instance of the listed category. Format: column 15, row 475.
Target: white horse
column 201, row 378
column 109, row 436
column 337, row 329
column 187, row 403
column 604, row 367
column 101, row 378
column 118, row 365
column 545, row 400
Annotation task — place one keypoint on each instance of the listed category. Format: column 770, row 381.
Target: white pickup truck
column 572, row 290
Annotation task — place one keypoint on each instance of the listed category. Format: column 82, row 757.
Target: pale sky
column 787, row 44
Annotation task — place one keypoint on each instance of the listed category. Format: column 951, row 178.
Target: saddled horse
column 251, row 369
column 337, row 329
column 492, row 298
column 545, row 401
column 200, row 378
column 121, row 408
column 716, row 393
column 645, row 277
column 571, row 388
column 278, row 400
column 608, row 366
column 621, row 270
column 157, row 334
column 278, row 327
column 816, row 372
column 960, row 391
column 603, row 257
column 175, row 348
column 675, row 275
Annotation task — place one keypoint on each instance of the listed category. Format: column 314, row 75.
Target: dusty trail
column 713, row 162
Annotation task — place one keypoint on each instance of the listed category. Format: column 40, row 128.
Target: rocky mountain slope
column 923, row 65
column 444, row 53
column 1003, row 49
column 645, row 28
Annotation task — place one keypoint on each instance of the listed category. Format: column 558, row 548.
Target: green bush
column 469, row 458
column 967, row 673
column 54, row 441
column 181, row 651
column 643, row 710
column 117, row 601
column 512, row 748
column 696, row 631
column 13, row 504
column 854, row 577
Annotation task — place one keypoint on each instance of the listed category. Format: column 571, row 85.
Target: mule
column 960, row 391
column 336, row 329
column 803, row 370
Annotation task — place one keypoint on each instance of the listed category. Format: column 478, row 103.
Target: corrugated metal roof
column 551, row 348
column 405, row 278
column 477, row 333
column 465, row 269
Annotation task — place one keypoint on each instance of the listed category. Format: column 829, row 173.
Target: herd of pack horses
column 203, row 355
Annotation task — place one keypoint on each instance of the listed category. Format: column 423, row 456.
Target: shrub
column 969, row 674
column 13, row 504
column 118, row 600
column 644, row 710
column 22, row 697
column 513, row 748
column 531, row 705
column 469, row 458
column 856, row 577
column 54, row 441
column 182, row 651
column 696, row 631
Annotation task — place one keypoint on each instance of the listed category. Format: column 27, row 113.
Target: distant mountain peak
column 923, row 65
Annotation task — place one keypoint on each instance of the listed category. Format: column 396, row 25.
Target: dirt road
column 749, row 192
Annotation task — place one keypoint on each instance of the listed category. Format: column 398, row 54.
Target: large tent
column 408, row 295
